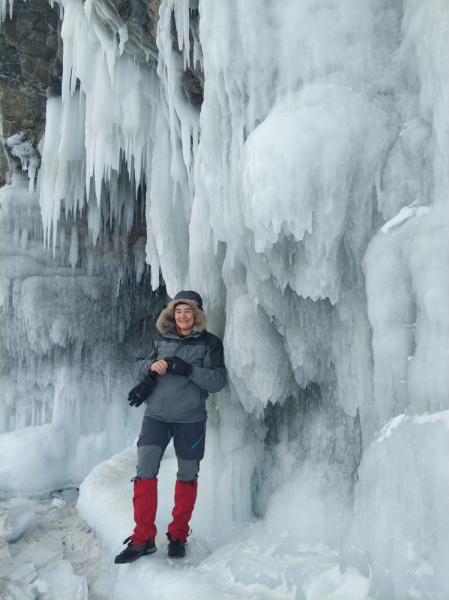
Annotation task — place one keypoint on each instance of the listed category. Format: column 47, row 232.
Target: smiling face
column 184, row 318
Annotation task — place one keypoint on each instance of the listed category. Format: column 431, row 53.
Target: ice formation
column 307, row 202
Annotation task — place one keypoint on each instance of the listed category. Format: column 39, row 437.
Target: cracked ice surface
column 57, row 558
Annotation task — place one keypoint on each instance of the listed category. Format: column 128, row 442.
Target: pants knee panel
column 187, row 469
column 148, row 461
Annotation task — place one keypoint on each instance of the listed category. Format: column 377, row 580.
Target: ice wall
column 407, row 290
column 70, row 325
column 77, row 299
column 400, row 509
column 306, row 202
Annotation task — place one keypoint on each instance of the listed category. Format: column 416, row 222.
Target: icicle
column 62, row 245
column 123, row 34
column 24, row 239
column 73, row 254
column 3, row 11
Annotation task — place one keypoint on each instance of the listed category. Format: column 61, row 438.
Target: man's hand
column 177, row 366
column 140, row 393
column 160, row 366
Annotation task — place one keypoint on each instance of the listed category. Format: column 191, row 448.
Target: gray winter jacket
column 176, row 398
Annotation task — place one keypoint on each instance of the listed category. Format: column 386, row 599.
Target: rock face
column 30, row 53
column 141, row 18
column 31, row 63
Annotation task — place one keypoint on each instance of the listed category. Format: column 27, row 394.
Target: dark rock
column 138, row 230
column 141, row 18
column 124, row 9
column 152, row 10
column 29, row 43
column 55, row 80
column 193, row 86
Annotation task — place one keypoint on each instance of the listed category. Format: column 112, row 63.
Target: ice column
column 295, row 126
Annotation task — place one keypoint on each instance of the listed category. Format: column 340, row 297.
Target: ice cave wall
column 303, row 192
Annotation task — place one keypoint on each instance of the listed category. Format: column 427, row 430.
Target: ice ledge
column 255, row 561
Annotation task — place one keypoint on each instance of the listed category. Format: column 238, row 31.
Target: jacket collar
column 174, row 334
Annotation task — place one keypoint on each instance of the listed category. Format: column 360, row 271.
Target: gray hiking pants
column 188, row 440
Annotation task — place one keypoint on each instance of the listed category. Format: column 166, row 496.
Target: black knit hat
column 189, row 295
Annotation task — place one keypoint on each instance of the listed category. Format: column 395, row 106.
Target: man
column 184, row 365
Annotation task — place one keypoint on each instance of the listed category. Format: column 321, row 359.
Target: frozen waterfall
column 304, row 195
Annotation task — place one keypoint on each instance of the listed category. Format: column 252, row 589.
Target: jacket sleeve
column 142, row 366
column 212, row 375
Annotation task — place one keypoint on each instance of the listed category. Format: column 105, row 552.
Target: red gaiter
column 145, row 506
column 185, row 496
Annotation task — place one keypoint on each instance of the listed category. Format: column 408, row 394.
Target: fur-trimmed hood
column 166, row 320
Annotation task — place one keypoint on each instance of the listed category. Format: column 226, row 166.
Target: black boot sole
column 132, row 559
column 126, row 562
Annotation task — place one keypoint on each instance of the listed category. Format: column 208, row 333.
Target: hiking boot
column 133, row 552
column 176, row 548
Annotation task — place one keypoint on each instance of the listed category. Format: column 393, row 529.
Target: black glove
column 140, row 393
column 177, row 366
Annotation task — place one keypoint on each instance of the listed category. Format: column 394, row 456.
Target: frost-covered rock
column 30, row 41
